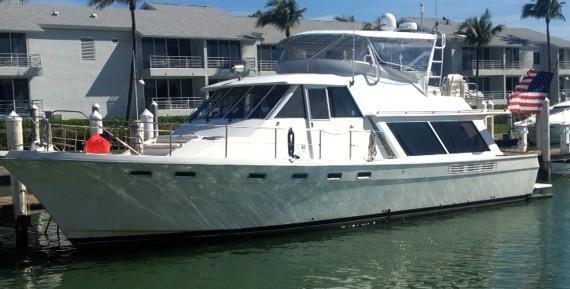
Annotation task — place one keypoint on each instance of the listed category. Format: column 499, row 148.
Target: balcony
column 488, row 67
column 20, row 65
column 20, row 106
column 159, row 61
column 178, row 103
column 267, row 65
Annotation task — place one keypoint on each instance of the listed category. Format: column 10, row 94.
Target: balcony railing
column 20, row 60
column 178, row 102
column 159, row 61
column 498, row 64
column 228, row 62
column 564, row 64
column 19, row 105
column 267, row 65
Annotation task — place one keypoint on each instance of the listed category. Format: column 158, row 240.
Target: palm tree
column 283, row 14
column 100, row 4
column 344, row 18
column 479, row 32
column 549, row 10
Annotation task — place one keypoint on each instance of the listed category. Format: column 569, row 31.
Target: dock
column 7, row 209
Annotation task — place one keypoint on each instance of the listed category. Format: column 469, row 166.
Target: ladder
column 436, row 69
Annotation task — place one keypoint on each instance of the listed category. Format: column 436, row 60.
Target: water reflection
column 517, row 246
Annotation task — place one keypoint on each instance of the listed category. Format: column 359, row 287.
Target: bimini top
column 369, row 53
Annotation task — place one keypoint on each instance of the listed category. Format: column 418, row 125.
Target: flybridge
column 406, row 56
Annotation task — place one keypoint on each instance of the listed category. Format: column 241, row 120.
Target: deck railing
column 159, row 61
column 20, row 60
column 564, row 64
column 499, row 64
column 19, row 105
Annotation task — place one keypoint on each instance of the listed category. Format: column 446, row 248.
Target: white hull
column 96, row 197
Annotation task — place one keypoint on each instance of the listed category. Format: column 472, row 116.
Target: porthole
column 363, row 175
column 146, row 174
column 334, row 176
column 298, row 176
column 184, row 175
column 256, row 176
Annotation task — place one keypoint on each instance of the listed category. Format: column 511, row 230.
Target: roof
column 510, row 36
column 160, row 20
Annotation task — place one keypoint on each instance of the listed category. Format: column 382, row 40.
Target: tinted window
column 226, row 103
column 249, row 101
column 267, row 104
column 460, row 136
column 202, row 112
column 318, row 103
column 341, row 103
column 295, row 106
column 416, row 138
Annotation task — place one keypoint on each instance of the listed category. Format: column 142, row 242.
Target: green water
column 525, row 245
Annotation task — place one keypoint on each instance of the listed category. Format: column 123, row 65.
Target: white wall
column 68, row 82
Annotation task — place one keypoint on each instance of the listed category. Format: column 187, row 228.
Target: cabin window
column 269, row 102
column 460, row 136
column 226, row 103
column 202, row 111
column 249, row 101
column 341, row 103
column 416, row 138
column 295, row 106
column 318, row 103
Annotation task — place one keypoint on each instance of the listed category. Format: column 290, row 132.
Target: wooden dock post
column 542, row 128
column 154, row 110
column 15, row 138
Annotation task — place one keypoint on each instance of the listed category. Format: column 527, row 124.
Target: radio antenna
column 353, row 42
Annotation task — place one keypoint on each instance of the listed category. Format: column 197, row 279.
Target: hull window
column 416, row 138
column 364, row 175
column 256, row 176
column 299, row 176
column 460, row 136
column 146, row 174
column 334, row 176
column 184, row 175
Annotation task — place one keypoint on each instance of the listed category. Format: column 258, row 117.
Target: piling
column 522, row 137
column 565, row 138
column 154, row 111
column 147, row 119
column 95, row 121
column 542, row 128
column 35, row 113
column 15, row 138
column 136, row 133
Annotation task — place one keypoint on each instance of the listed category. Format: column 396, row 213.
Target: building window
column 223, row 53
column 511, row 83
column 13, row 43
column 171, row 93
column 416, row 138
column 87, row 49
column 14, row 92
column 512, row 54
column 484, row 84
column 536, row 57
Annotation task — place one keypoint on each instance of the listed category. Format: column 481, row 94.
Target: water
column 525, row 245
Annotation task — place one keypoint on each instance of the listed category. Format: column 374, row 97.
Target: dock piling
column 136, row 132
column 35, row 114
column 154, row 110
column 147, row 119
column 95, row 121
column 15, row 138
column 565, row 138
column 542, row 129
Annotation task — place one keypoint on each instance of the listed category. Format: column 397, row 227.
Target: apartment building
column 509, row 55
column 69, row 57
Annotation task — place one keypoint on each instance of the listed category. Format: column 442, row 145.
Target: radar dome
column 388, row 22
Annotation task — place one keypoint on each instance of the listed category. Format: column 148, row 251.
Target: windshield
column 403, row 54
column 333, row 47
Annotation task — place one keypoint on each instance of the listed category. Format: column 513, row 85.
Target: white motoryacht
column 559, row 114
column 349, row 131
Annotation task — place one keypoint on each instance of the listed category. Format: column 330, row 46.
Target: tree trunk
column 287, row 32
column 477, row 59
column 132, row 7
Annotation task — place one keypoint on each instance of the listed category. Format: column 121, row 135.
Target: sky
column 506, row 12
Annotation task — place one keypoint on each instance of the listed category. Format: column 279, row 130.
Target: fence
column 20, row 60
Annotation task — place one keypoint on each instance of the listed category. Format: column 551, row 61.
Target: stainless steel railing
column 159, row 61
column 20, row 60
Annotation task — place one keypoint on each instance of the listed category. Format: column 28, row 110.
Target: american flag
column 530, row 93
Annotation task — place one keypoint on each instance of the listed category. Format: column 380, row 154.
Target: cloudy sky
column 505, row 12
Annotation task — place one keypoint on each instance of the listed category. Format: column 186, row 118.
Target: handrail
column 101, row 127
column 20, row 60
column 162, row 61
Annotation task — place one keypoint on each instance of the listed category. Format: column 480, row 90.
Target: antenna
column 353, row 42
column 422, row 15
column 436, row 10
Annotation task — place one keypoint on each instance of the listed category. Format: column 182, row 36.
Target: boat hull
column 95, row 199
